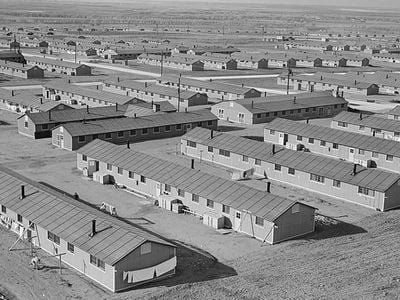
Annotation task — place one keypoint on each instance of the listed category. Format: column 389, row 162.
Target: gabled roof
column 288, row 102
column 152, row 88
column 49, row 105
column 175, row 58
column 368, row 121
column 395, row 111
column 375, row 179
column 212, row 85
column 113, row 125
column 88, row 92
column 17, row 66
column 71, row 219
column 55, row 62
column 350, row 139
column 227, row 192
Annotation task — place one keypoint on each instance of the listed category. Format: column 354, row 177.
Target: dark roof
column 88, row 92
column 113, row 125
column 206, row 84
column 368, row 121
column 9, row 54
column 350, row 139
column 287, row 102
column 375, row 179
column 227, row 192
column 71, row 219
column 76, row 115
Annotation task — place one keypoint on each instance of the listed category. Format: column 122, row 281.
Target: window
column 26, row 125
column 97, row 262
column 156, row 129
column 3, row 209
column 120, row 133
column 195, row 198
column 178, row 126
column 144, row 131
column 366, row 191
column 210, row 203
column 336, row 183
column 168, row 128
column 259, row 221
column 257, row 162
column 311, row 141
column 81, row 138
column 145, row 248
column 70, row 248
column 375, row 154
column 19, row 218
column 295, row 208
column 245, row 158
column 317, row 178
column 225, row 209
column 131, row 174
column 299, row 138
column 108, row 135
column 132, row 132
column 142, row 179
column 361, row 127
column 307, row 109
column 283, row 113
column 278, row 167
column 84, row 157
column 342, row 124
column 361, row 151
column 52, row 237
column 181, row 193
column 210, row 149
column 120, row 170
column 95, row 136
column 397, row 134
column 109, row 167
column 45, row 126
column 191, row 144
column 272, row 132
column 291, row 171
column 299, row 110
column 209, row 123
column 376, row 130
column 275, row 113
column 335, row 146
column 322, row 143
column 389, row 157
column 224, row 153
column 238, row 215
column 258, row 116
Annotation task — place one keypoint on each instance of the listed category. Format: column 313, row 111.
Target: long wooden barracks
column 110, row 252
column 220, row 202
column 373, row 188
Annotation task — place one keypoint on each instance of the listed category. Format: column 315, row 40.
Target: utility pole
column 162, row 62
column 179, row 91
column 288, row 78
column 75, row 53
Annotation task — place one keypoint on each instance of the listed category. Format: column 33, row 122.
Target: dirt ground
column 350, row 240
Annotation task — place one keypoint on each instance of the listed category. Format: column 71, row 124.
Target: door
column 281, row 139
column 351, row 154
column 299, row 86
column 238, row 220
column 311, row 88
column 320, row 111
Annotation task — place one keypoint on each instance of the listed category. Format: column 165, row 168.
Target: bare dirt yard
column 352, row 255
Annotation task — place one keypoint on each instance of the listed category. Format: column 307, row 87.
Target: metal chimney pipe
column 192, row 164
column 268, row 187
column 128, row 145
column 22, row 191
column 212, row 133
column 354, row 169
column 273, row 149
column 87, row 109
column 93, row 228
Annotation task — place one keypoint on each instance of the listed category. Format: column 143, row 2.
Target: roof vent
column 22, row 192
column 93, row 233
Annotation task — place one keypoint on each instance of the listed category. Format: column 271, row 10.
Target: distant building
column 60, row 66
column 175, row 62
column 20, row 70
column 72, row 136
column 13, row 56
column 298, row 107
